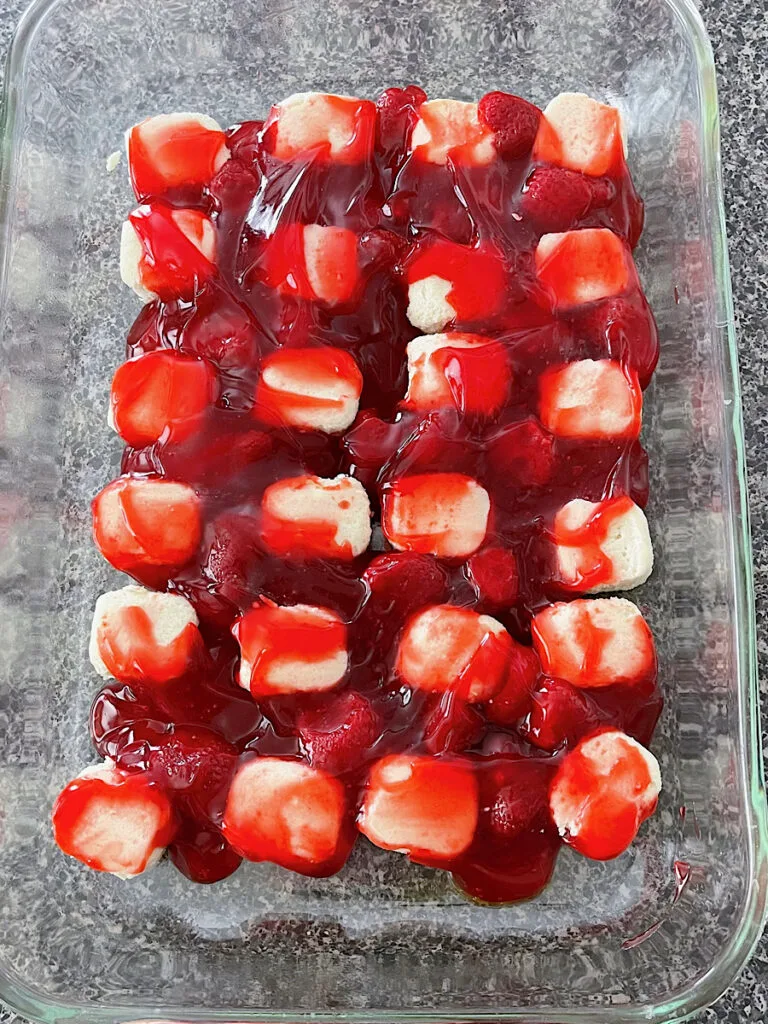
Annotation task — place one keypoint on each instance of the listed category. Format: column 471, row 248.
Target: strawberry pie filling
column 382, row 475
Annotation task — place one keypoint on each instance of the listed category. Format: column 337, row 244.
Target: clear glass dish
column 385, row 940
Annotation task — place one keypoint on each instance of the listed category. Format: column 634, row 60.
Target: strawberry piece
column 514, row 122
column 288, row 813
column 233, row 552
column 144, row 333
column 462, row 371
column 222, row 332
column 493, row 573
column 516, row 871
column 290, row 649
column 448, row 648
column 591, row 400
column 404, row 582
column 603, row 791
column 171, row 151
column 451, row 725
column 167, row 252
column 451, row 129
column 160, row 393
column 192, row 764
column 516, row 845
column 381, row 249
column 439, row 441
column 396, row 113
column 521, row 801
column 309, row 388
column 588, row 468
column 244, row 141
column 637, row 475
column 312, row 517
column 623, row 329
column 443, row 514
column 371, row 442
column 229, row 571
column 514, row 697
column 214, row 458
column 320, row 125
column 232, row 192
column 523, row 454
column 425, row 807
column 112, row 821
column 138, row 634
column 146, row 522
column 556, row 199
column 339, row 737
column 202, row 855
column 594, row 643
column 579, row 133
column 603, row 192
column 576, row 267
column 559, row 715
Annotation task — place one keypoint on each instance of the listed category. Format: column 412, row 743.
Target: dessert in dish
column 381, row 411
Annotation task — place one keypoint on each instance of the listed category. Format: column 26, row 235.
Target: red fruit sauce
column 407, row 214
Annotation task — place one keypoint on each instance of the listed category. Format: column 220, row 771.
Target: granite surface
column 739, row 32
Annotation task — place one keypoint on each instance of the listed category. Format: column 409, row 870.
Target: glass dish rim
column 20, row 998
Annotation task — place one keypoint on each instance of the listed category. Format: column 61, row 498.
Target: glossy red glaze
column 450, row 724
column 203, row 855
column 493, row 573
column 514, row 697
column 515, row 846
column 559, row 714
column 338, row 737
column 480, row 225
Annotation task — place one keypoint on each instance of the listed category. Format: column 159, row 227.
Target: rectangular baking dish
column 652, row 936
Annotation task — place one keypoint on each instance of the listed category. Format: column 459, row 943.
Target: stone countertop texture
column 739, row 33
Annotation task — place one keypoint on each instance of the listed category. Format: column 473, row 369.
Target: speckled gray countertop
column 739, row 33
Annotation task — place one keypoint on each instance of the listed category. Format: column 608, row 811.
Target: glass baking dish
column 652, row 936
